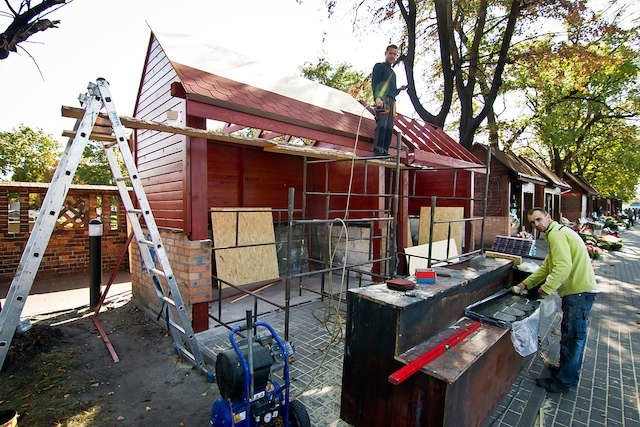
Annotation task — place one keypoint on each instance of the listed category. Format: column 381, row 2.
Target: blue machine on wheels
column 250, row 397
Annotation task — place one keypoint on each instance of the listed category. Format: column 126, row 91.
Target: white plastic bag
column 524, row 333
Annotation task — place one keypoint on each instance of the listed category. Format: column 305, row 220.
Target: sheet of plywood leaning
column 420, row 253
column 440, row 231
column 243, row 265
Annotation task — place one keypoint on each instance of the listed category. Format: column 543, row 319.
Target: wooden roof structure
column 550, row 175
column 581, row 183
column 522, row 170
column 292, row 110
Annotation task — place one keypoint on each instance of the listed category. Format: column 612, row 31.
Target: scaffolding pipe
column 394, row 225
column 486, row 198
column 287, row 283
column 431, row 220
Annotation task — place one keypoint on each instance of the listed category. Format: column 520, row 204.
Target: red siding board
column 168, row 153
column 145, row 161
column 160, row 157
column 151, row 172
column 167, row 141
column 161, row 102
column 249, row 177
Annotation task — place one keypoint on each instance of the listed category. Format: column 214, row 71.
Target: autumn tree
column 581, row 91
column 472, row 39
column 612, row 164
column 24, row 20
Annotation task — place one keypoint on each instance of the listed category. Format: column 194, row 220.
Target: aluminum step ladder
column 152, row 250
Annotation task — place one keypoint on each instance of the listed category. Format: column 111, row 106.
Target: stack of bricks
column 191, row 265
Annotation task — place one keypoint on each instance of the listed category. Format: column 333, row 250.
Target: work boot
column 554, row 369
column 551, row 385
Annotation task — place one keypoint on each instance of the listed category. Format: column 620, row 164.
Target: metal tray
column 501, row 309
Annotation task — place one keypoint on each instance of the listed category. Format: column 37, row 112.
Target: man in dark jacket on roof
column 383, row 85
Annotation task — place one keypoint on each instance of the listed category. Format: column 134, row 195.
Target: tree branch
column 514, row 12
column 26, row 24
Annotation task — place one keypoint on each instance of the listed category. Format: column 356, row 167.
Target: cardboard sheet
column 439, row 251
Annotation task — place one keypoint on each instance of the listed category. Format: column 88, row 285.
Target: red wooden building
column 580, row 201
column 262, row 139
column 550, row 195
column 514, row 188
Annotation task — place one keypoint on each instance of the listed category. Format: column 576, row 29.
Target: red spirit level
column 411, row 368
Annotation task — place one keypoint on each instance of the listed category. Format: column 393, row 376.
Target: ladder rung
column 169, row 301
column 110, row 144
column 146, row 242
column 186, row 353
column 122, row 178
column 177, row 327
column 158, row 272
column 135, row 211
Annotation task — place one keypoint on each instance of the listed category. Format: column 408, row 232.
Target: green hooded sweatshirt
column 567, row 268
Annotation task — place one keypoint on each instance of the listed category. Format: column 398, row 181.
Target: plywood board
column 244, row 226
column 438, row 252
column 440, row 231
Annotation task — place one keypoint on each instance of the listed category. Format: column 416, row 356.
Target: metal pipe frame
column 391, row 222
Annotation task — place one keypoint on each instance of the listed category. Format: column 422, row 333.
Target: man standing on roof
column 566, row 269
column 383, row 84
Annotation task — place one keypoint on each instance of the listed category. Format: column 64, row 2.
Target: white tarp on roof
column 198, row 52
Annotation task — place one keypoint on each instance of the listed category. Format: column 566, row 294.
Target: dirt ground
column 59, row 373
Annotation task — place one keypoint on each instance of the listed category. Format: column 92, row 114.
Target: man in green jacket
column 567, row 270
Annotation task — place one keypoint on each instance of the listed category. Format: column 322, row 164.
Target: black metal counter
column 386, row 329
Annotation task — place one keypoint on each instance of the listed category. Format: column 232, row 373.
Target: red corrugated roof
column 431, row 145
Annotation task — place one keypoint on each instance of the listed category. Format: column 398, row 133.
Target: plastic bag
column 524, row 333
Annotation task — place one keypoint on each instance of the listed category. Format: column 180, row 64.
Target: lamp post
column 95, row 260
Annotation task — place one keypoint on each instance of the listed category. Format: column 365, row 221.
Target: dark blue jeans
column 575, row 322
column 384, row 127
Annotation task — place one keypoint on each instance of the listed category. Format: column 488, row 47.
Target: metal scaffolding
column 385, row 219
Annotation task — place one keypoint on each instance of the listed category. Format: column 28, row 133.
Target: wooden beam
column 95, row 136
column 271, row 146
column 135, row 123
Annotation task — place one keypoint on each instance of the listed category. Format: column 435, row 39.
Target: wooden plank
column 244, row 265
column 440, row 231
column 95, row 136
column 517, row 259
column 135, row 123
column 438, row 252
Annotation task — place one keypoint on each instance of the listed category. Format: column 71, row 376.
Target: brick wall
column 191, row 265
column 68, row 248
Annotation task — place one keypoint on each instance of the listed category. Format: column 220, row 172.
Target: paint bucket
column 8, row 418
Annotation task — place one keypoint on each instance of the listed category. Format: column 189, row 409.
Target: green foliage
column 28, row 155
column 612, row 159
column 94, row 168
column 341, row 77
column 581, row 91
